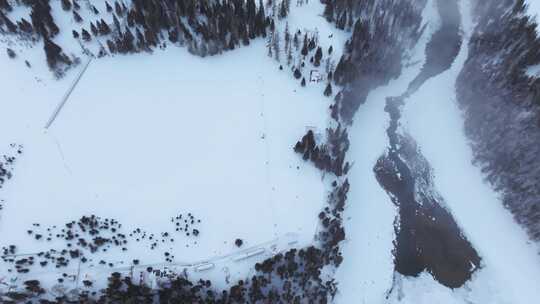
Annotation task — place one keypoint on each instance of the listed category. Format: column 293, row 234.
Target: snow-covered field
column 144, row 138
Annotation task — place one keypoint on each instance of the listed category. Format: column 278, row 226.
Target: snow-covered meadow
column 147, row 137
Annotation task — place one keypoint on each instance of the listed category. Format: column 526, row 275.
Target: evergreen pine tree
column 141, row 43
column 296, row 41
column 118, row 9
column 54, row 53
column 260, row 22
column 173, row 35
column 116, row 24
column 312, row 44
column 104, row 28
column 4, row 4
column 25, row 26
column 318, row 57
column 329, row 11
column 328, row 90
column 342, row 21
column 86, row 35
column 75, row 34
column 269, row 45
column 127, row 41
column 276, row 46
column 112, row 46
column 287, row 37
column 151, row 37
column 12, row 28
column 11, row 53
column 289, row 55
column 304, row 51
column 303, row 83
column 108, row 6
column 282, row 10
column 77, row 17
column 66, row 5
column 94, row 29
column 297, row 73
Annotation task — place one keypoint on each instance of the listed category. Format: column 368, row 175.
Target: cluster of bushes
column 329, row 156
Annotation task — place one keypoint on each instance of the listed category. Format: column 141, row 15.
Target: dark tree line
column 206, row 27
column 329, row 156
column 381, row 32
column 501, row 103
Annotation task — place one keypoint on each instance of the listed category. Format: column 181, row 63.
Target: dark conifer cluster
column 40, row 27
column 205, row 27
column 7, row 162
column 382, row 31
column 329, row 156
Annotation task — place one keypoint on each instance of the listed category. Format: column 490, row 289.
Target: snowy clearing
column 213, row 138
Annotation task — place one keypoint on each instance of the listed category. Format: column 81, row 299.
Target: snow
column 143, row 138
column 533, row 71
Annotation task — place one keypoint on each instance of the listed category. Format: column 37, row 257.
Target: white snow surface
column 145, row 137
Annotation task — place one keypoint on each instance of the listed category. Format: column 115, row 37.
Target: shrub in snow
column 297, row 73
column 11, row 53
column 328, row 90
